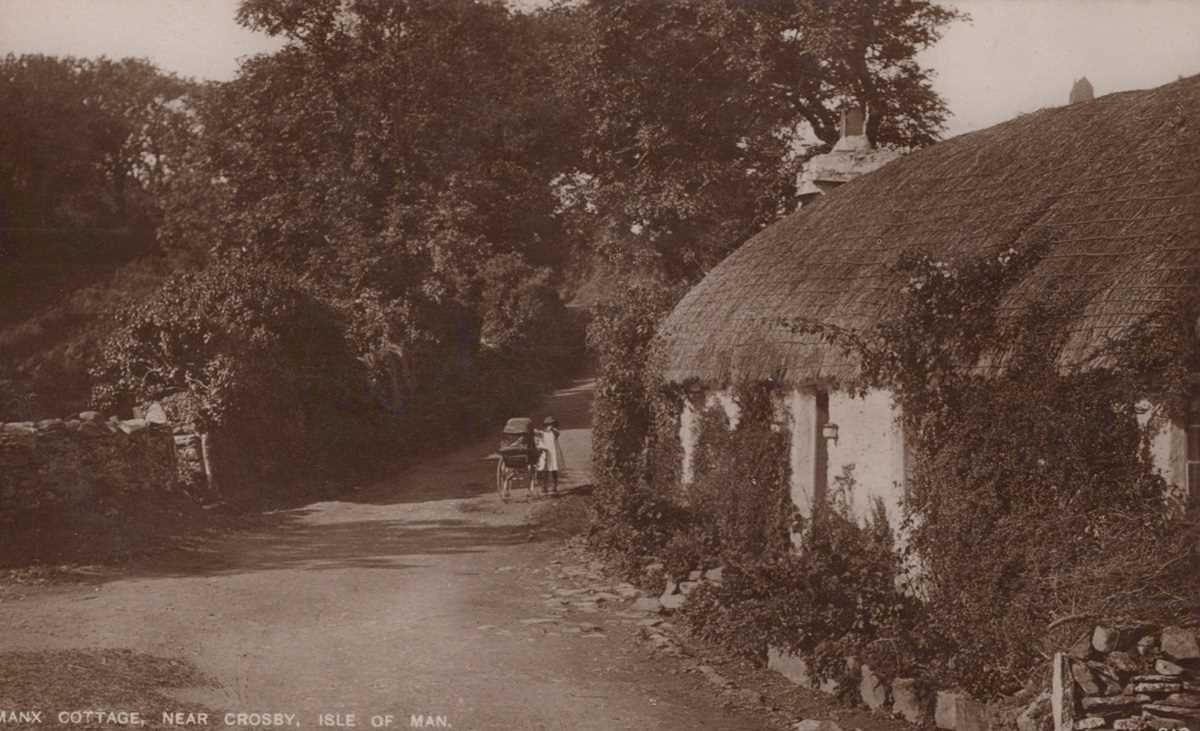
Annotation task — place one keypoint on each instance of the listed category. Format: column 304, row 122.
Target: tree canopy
column 700, row 112
column 400, row 158
column 87, row 148
column 85, row 143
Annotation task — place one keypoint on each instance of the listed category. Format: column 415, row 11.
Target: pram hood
column 519, row 425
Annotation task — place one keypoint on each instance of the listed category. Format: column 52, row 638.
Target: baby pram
column 518, row 457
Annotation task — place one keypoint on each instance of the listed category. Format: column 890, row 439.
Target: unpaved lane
column 406, row 598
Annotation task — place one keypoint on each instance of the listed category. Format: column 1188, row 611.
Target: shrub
column 632, row 519
column 16, row 400
column 262, row 363
column 620, row 336
column 836, row 596
column 833, row 598
column 742, row 479
column 663, row 448
column 634, row 526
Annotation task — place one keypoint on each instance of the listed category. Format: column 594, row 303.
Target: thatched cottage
column 1113, row 186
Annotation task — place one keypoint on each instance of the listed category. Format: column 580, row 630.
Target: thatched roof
column 1112, row 185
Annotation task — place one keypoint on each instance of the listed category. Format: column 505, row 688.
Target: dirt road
column 422, row 598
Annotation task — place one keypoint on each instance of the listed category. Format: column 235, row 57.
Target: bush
column 1018, row 496
column 16, row 400
column 261, row 362
column 835, row 597
column 742, row 478
column 632, row 520
column 634, row 527
column 620, row 337
column 838, row 595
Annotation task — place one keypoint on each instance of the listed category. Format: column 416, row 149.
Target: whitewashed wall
column 805, row 457
column 871, row 439
column 1168, row 445
column 689, row 437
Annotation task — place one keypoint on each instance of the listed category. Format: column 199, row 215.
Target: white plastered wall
column 1168, row 446
column 689, row 437
column 803, row 457
column 869, row 437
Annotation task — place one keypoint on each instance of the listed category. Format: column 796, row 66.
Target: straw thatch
column 1112, row 186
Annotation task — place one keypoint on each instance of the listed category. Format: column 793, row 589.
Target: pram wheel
column 502, row 479
column 535, row 486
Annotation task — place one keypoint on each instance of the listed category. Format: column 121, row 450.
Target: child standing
column 552, row 457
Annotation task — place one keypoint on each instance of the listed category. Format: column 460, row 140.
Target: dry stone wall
column 62, row 463
column 1124, row 677
column 189, row 441
column 1129, row 677
column 189, row 451
column 905, row 698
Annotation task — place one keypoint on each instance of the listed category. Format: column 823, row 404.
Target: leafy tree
column 382, row 118
column 85, row 147
column 86, row 141
column 697, row 109
column 519, row 304
column 86, row 150
column 385, row 153
column 526, row 333
column 146, row 128
column 47, row 156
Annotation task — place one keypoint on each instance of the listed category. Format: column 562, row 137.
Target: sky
column 1019, row 56
column 1014, row 56
column 196, row 38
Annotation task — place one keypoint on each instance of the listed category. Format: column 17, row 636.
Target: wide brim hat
column 550, row 421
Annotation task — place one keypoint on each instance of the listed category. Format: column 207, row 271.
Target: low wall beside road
column 59, row 463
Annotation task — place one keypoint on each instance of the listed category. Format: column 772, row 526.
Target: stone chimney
column 853, row 155
column 1081, row 91
column 853, row 129
column 852, row 122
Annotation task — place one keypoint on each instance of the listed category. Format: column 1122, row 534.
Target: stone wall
column 1129, row 676
column 60, row 463
column 189, row 453
column 904, row 698
column 190, row 443
column 1126, row 677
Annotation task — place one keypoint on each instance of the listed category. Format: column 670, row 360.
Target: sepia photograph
column 587, row 365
